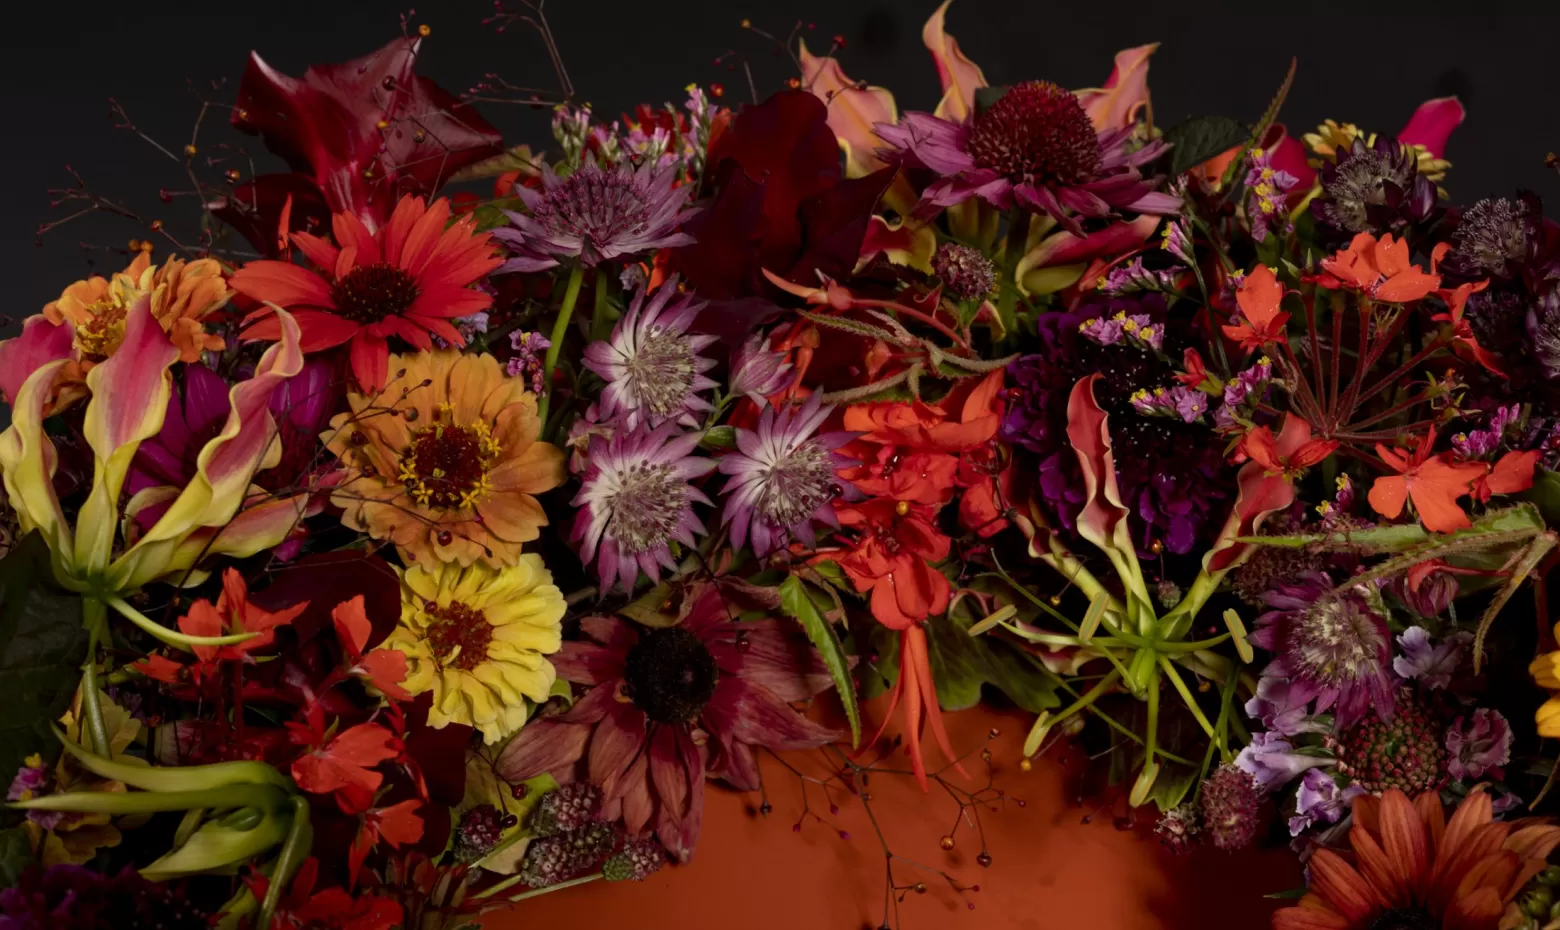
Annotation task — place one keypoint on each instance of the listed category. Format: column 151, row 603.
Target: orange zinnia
column 1413, row 868
column 450, row 472
column 408, row 280
column 1379, row 269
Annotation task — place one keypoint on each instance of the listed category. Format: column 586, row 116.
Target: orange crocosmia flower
column 1261, row 320
column 385, row 669
column 398, row 825
column 1288, row 455
column 1378, row 268
column 967, row 417
column 1513, row 474
column 1433, row 484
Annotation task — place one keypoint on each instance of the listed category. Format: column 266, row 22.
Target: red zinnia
column 408, row 280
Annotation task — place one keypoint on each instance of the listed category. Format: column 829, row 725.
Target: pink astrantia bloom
column 1035, row 148
column 783, row 478
column 758, row 371
column 651, row 364
column 1478, row 745
column 668, row 707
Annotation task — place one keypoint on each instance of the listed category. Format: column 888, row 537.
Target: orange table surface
column 1049, row 869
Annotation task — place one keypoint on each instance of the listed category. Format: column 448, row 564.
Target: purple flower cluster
column 1274, row 761
column 1484, row 443
column 1242, row 392
column 527, row 362
column 1178, row 242
column 1478, row 745
column 1320, row 800
column 1431, row 666
column 1265, row 189
column 1132, row 277
column 1135, row 328
column 1179, row 401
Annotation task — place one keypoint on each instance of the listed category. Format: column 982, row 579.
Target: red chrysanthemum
column 407, row 280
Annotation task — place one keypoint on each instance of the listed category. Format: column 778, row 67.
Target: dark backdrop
column 1370, row 63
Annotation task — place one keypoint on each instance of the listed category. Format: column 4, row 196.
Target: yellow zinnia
column 1546, row 671
column 478, row 637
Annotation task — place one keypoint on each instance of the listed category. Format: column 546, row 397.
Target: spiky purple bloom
column 1497, row 237
column 1034, row 148
column 1172, row 475
column 1334, row 642
column 1431, row 665
column 783, row 478
column 1133, row 276
column 1231, row 803
column 528, row 360
column 1266, row 186
column 1478, row 745
column 636, row 500
column 651, row 364
column 1273, row 761
column 1374, row 189
column 595, row 215
column 964, row 271
column 1320, row 800
column 758, row 371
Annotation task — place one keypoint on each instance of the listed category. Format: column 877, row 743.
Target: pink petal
column 960, row 77
column 1432, row 124
column 544, row 745
column 619, row 737
column 40, row 342
column 853, row 110
column 760, row 718
column 1125, row 92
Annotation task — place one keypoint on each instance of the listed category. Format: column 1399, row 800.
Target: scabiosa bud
column 555, row 859
column 635, row 862
column 1230, row 804
column 1404, row 752
column 967, row 274
column 566, row 808
column 478, row 832
column 1168, row 593
column 1179, row 828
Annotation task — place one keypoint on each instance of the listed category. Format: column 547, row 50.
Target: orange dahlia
column 449, row 470
column 1412, row 868
column 409, row 280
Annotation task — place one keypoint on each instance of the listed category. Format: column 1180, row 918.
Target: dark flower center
column 670, row 675
column 1039, row 133
column 370, row 293
column 1406, row 918
column 459, row 635
column 446, row 466
column 650, row 499
column 1493, row 236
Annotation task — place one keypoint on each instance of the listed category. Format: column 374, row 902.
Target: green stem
column 265, row 797
column 1186, row 695
column 599, row 328
column 1017, row 240
column 1151, row 737
column 571, row 295
column 94, row 614
column 172, row 637
column 299, row 838
column 1197, row 646
column 536, row 892
column 502, row 845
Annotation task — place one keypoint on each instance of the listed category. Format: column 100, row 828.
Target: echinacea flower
column 478, row 638
column 668, row 707
column 1334, row 643
column 651, row 363
column 636, row 501
column 783, row 478
column 410, row 279
column 597, row 214
column 1035, row 148
column 1414, row 868
column 451, row 474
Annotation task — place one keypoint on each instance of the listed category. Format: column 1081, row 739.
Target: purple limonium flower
column 1432, row 666
column 1179, row 401
column 651, row 364
column 636, row 501
column 1248, row 383
column 1483, row 443
column 1135, row 328
column 758, row 371
column 1478, row 745
column 33, row 780
column 783, row 478
column 1274, row 762
column 595, row 215
column 1335, row 642
column 1035, row 148
column 1177, row 241
column 1283, row 705
column 1320, row 800
column 1132, row 276
column 528, row 360
column 1266, row 187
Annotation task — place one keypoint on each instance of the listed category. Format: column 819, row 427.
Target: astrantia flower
column 783, row 478
column 1336, row 643
column 1496, row 237
column 964, row 271
column 411, row 279
column 1478, row 745
column 478, row 638
column 70, row 897
column 1374, row 189
column 1415, row 869
column 597, row 214
column 1037, row 148
column 651, row 364
column 668, row 706
column 636, row 501
column 451, row 475
column 758, row 371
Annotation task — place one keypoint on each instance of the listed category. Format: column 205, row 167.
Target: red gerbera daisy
column 407, row 280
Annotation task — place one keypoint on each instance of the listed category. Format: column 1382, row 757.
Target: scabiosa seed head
column 595, row 215
column 566, row 808
column 1231, row 803
column 1404, row 751
column 783, row 478
column 1179, row 828
column 1496, row 237
column 964, row 271
column 478, row 832
column 651, row 364
column 635, row 862
column 1037, row 131
column 555, row 859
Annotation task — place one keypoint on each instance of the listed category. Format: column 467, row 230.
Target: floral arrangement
column 429, row 531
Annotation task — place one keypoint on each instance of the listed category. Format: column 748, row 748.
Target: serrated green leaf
column 42, row 646
column 798, row 604
column 1202, row 137
column 962, row 664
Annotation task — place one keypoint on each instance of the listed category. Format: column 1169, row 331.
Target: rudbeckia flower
column 410, row 280
column 478, row 638
column 451, row 475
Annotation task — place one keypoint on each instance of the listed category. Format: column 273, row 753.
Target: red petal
column 283, row 284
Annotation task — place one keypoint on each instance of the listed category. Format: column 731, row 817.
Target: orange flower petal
column 1340, row 885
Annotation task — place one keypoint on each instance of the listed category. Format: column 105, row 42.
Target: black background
column 1362, row 62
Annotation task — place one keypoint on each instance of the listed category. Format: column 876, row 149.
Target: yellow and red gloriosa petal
column 41, row 342
column 853, row 110
column 1116, row 105
column 960, row 77
column 27, row 461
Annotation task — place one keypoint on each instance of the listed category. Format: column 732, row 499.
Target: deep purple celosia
column 1034, row 148
column 783, row 478
column 597, row 214
column 1173, row 475
column 636, row 500
column 651, row 363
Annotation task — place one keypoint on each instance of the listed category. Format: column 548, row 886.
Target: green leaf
column 1545, row 495
column 15, row 855
column 42, row 647
column 1202, row 137
column 1293, row 894
column 962, row 663
column 215, row 847
column 830, row 571
column 490, row 216
column 798, row 604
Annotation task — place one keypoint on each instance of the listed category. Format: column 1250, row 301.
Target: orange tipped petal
column 1340, row 885
column 960, row 77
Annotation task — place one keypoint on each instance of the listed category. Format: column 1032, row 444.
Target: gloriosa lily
column 209, row 517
